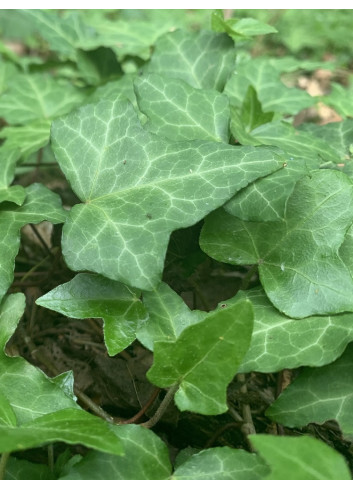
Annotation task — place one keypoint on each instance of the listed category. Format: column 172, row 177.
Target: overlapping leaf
column 203, row 59
column 35, row 409
column 299, row 265
column 137, row 188
column 168, row 316
column 27, row 139
column 222, row 463
column 15, row 193
column 20, row 469
column 341, row 99
column 300, row 458
column 87, row 296
column 145, row 458
column 280, row 342
column 204, row 359
column 180, row 112
column 318, row 395
column 41, row 204
column 238, row 28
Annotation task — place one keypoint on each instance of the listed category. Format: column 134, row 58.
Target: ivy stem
column 248, row 276
column 3, row 462
column 248, row 427
column 162, row 407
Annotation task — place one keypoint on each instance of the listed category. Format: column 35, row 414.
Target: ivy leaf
column 20, row 469
column 168, row 316
column 204, row 359
column 318, row 395
column 180, row 112
column 15, row 193
column 137, row 188
column 145, row 458
column 265, row 79
column 7, row 415
column 299, row 265
column 280, row 342
column 39, row 96
column 222, row 463
column 239, row 28
column 27, row 139
column 87, row 296
column 265, row 199
column 300, row 458
column 41, row 204
column 341, row 99
column 69, row 425
column 202, row 59
column 7, row 73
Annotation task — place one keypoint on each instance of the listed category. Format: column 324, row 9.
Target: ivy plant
column 196, row 229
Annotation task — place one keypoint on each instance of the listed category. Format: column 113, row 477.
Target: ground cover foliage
column 176, row 271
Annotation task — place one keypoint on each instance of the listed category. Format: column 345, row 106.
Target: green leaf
column 8, row 71
column 273, row 95
column 252, row 114
column 265, row 199
column 16, row 193
column 297, row 143
column 7, row 415
column 69, row 425
column 221, row 463
column 298, row 260
column 204, row 359
column 137, row 188
column 87, row 296
column 280, row 342
column 145, row 458
column 27, row 139
column 21, row 469
column 64, row 35
column 238, row 28
column 318, row 395
column 203, row 59
column 341, row 99
column 300, row 458
column 168, row 316
column 180, row 112
column 98, row 65
column 41, row 204
column 39, row 96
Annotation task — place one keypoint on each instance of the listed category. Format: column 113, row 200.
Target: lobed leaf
column 300, row 268
column 137, row 188
column 87, row 296
column 318, row 395
column 204, row 359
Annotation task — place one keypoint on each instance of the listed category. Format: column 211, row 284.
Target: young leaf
column 299, row 265
column 180, row 112
column 280, row 342
column 300, row 458
column 15, row 193
column 202, row 59
column 39, row 96
column 273, row 95
column 204, row 359
column 145, row 458
column 168, row 316
column 68, row 425
column 222, row 463
column 318, row 395
column 238, row 28
column 87, row 296
column 40, row 204
column 137, row 188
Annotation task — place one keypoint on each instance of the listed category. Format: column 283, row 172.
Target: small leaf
column 94, row 296
column 15, row 193
column 168, row 316
column 202, row 59
column 299, row 265
column 238, row 28
column 341, row 99
column 40, row 204
column 221, row 463
column 137, row 188
column 318, row 395
column 39, row 96
column 69, row 425
column 204, row 359
column 180, row 112
column 280, row 342
column 300, row 458
column 145, row 458
column 27, row 139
